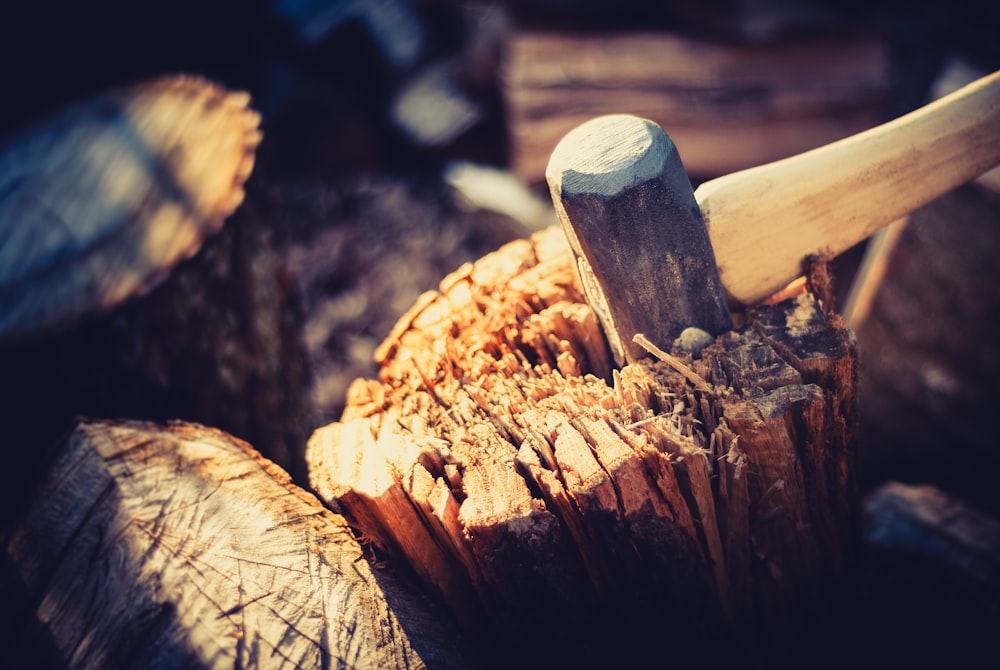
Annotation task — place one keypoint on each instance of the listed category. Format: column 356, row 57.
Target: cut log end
column 104, row 198
column 180, row 546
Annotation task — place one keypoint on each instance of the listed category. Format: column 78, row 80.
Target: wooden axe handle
column 765, row 221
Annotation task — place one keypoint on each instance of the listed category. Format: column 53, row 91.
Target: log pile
column 534, row 488
column 130, row 283
column 727, row 106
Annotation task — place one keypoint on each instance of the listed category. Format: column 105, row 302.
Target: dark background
column 56, row 52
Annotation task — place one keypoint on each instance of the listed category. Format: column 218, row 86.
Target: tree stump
column 611, row 513
column 182, row 547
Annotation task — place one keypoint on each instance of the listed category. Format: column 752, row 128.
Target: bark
column 181, row 547
column 535, row 488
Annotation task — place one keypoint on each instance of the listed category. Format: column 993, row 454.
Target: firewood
column 137, row 280
column 727, row 106
column 534, row 487
column 180, row 546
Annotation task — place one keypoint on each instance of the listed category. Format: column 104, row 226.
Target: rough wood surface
column 533, row 486
column 98, row 202
column 727, row 107
column 181, row 547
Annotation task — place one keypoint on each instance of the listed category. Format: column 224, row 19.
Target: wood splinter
column 688, row 373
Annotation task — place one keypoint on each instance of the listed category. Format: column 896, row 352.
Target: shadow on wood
column 540, row 492
column 180, row 546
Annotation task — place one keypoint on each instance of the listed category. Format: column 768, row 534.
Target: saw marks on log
column 180, row 546
column 533, row 486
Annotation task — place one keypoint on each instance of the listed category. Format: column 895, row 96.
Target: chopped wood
column 103, row 198
column 180, row 546
column 217, row 343
column 726, row 106
column 533, row 487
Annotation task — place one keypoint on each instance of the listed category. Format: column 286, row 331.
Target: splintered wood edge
column 73, row 250
column 422, row 428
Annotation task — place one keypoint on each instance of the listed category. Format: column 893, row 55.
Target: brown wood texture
column 534, row 487
column 727, row 106
column 181, row 547
column 103, row 198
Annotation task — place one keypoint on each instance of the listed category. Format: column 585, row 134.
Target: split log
column 727, row 106
column 538, row 491
column 135, row 281
column 182, row 547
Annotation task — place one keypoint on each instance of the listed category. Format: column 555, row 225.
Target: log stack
column 136, row 280
column 728, row 106
column 561, row 510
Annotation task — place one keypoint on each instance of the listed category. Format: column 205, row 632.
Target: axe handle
column 765, row 221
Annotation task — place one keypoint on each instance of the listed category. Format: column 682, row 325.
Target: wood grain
column 99, row 201
column 179, row 546
column 535, row 488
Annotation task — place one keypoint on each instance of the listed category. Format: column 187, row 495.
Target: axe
column 656, row 258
